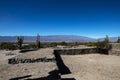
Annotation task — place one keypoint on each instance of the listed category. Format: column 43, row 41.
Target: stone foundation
column 32, row 60
column 33, row 56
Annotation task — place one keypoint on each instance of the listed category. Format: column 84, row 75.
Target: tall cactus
column 38, row 41
column 20, row 41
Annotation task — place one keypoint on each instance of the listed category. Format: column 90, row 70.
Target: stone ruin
column 115, row 49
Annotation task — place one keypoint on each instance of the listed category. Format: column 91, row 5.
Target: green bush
column 8, row 46
column 101, row 44
column 53, row 44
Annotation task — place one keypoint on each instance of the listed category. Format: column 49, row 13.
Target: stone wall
column 115, row 49
column 75, row 51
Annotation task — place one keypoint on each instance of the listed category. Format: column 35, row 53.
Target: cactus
column 38, row 41
column 20, row 41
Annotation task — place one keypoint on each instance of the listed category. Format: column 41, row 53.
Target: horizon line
column 57, row 35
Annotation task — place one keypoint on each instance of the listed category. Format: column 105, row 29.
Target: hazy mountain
column 51, row 38
column 54, row 38
column 69, row 38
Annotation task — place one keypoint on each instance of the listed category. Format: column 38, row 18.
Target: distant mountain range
column 54, row 38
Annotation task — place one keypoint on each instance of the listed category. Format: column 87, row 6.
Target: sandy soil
column 93, row 66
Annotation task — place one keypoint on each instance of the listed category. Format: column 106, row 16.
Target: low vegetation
column 32, row 45
column 8, row 46
column 35, row 45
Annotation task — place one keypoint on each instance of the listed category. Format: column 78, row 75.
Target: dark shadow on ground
column 63, row 69
column 68, row 79
column 27, row 50
column 53, row 75
column 18, row 78
column 102, row 51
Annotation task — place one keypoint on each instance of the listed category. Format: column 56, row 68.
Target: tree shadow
column 53, row 75
column 26, row 50
column 17, row 78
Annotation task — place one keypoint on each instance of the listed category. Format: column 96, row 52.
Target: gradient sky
column 91, row 18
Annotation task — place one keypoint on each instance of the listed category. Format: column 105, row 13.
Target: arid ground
column 93, row 66
column 82, row 67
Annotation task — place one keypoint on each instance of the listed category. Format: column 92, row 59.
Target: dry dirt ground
column 93, row 66
column 83, row 67
column 23, row 71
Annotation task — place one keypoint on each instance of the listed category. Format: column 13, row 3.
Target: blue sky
column 91, row 18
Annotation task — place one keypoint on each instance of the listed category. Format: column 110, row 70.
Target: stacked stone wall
column 76, row 51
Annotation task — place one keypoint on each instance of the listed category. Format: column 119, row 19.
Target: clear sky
column 91, row 18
